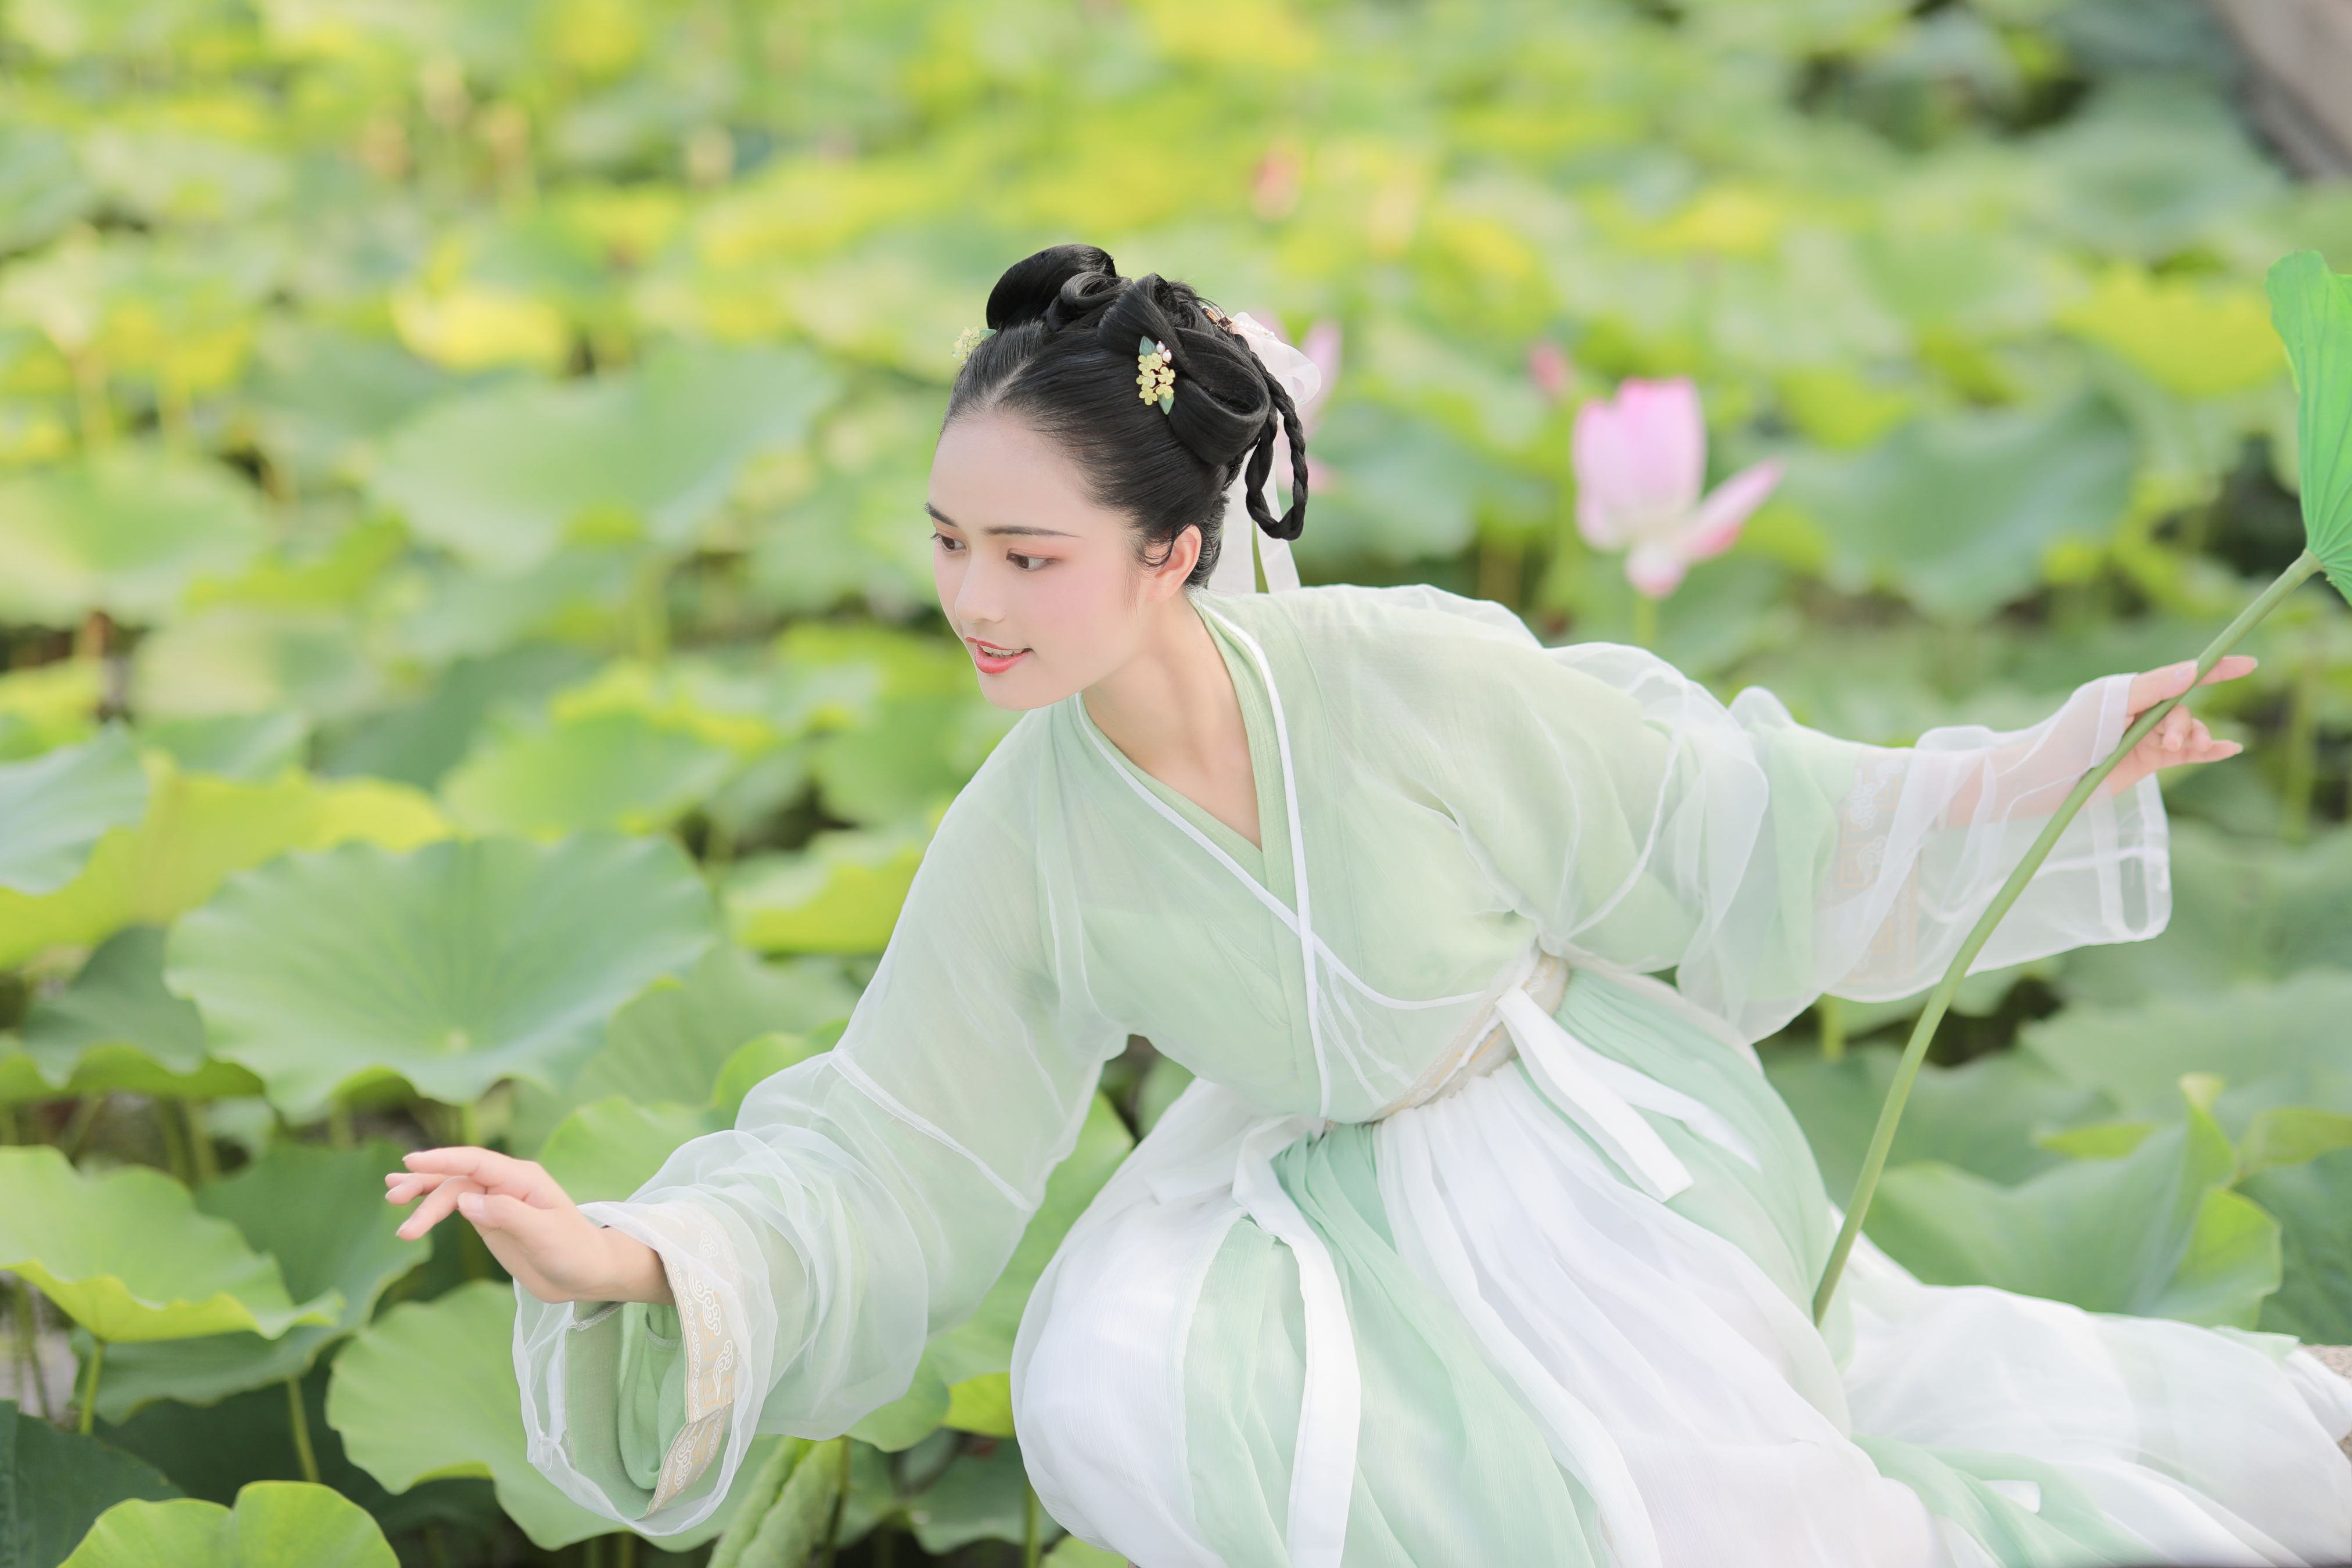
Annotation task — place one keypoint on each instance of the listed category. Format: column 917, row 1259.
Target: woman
column 1471, row 1243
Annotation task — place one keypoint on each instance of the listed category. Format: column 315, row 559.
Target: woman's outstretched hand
column 2181, row 737
column 529, row 1224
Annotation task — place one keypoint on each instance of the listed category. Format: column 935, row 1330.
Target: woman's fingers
column 492, row 1172
column 438, row 1206
column 2172, row 680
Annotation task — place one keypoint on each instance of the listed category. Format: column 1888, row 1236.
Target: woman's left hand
column 2182, row 736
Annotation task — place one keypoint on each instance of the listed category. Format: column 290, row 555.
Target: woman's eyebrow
column 1001, row 533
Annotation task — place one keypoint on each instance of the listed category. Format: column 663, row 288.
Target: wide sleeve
column 1638, row 819
column 864, row 1200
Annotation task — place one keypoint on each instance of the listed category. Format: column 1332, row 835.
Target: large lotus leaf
column 2243, row 910
column 319, row 399
column 251, row 660
column 460, row 1347
column 982, row 1495
column 1956, row 512
column 2280, row 1045
column 898, row 762
column 451, row 967
column 609, row 1147
column 2155, row 1233
column 2194, row 340
column 320, row 1212
column 418, row 742
column 2149, row 165
column 274, row 1525
column 615, row 770
column 126, row 1255
column 2313, row 1204
column 41, row 186
column 841, row 894
column 1400, row 488
column 49, row 705
column 254, row 747
column 54, row 1485
column 502, row 476
column 214, row 1451
column 125, row 534
column 196, row 832
column 1980, row 1118
column 673, row 1041
column 55, row 808
column 2312, row 307
column 117, row 1028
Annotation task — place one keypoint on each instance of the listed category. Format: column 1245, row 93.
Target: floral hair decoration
column 969, row 340
column 1155, row 373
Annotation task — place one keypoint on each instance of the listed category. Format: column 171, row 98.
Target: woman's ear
column 1166, row 579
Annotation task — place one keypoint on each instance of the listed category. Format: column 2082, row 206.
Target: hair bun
column 1032, row 288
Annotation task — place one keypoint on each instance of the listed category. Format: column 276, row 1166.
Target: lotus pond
column 466, row 668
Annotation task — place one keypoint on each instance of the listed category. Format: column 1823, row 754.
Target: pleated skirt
column 1557, row 1368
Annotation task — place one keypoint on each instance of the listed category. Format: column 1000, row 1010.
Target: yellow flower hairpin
column 969, row 340
column 1155, row 373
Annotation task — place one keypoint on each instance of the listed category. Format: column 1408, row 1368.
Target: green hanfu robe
column 1473, row 1242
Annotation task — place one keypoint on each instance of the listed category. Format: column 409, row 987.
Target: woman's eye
column 950, row 545
column 1028, row 562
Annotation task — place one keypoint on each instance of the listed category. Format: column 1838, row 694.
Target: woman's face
column 1043, row 584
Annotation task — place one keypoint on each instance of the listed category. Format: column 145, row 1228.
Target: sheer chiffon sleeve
column 1637, row 818
column 864, row 1200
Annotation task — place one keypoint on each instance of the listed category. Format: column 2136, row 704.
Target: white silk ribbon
column 1235, row 572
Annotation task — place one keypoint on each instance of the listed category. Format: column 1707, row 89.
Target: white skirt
column 1549, row 1365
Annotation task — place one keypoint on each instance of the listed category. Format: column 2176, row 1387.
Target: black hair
column 1062, row 358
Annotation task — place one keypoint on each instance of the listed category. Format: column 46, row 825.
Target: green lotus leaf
column 2188, row 337
column 450, row 967
column 42, row 188
column 675, row 1040
column 1956, row 512
column 841, row 894
column 127, row 1255
column 321, row 398
column 2156, row 1233
column 320, row 1212
column 899, row 762
column 49, row 705
column 54, row 1485
column 247, row 660
column 609, row 1147
column 419, row 741
column 2290, row 1135
column 2313, row 1204
column 983, row 1405
column 2279, row 1045
column 762, row 1059
column 116, row 1029
column 2242, row 911
column 55, row 807
column 274, row 1525
column 617, row 770
column 125, row 532
column 2312, row 308
column 1980, row 1117
column 255, row 747
column 197, row 831
column 460, row 1345
column 503, row 476
column 1072, row 1553
column 982, row 1495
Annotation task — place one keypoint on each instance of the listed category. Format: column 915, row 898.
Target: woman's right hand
column 530, row 1226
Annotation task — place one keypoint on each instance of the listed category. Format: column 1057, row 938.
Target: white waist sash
column 1596, row 1092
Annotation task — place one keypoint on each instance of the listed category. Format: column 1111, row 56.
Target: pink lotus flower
column 1640, row 461
column 1549, row 368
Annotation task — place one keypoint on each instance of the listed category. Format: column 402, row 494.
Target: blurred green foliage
column 460, row 479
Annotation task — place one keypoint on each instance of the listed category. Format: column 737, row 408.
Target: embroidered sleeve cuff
column 705, row 1277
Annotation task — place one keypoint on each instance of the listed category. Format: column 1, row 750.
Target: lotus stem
column 1029, row 1531
column 840, row 1506
column 1831, row 1012
column 2301, row 749
column 89, row 1385
column 201, row 1154
column 1915, row 1053
column 1645, row 620
column 299, row 1419
column 27, row 1347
